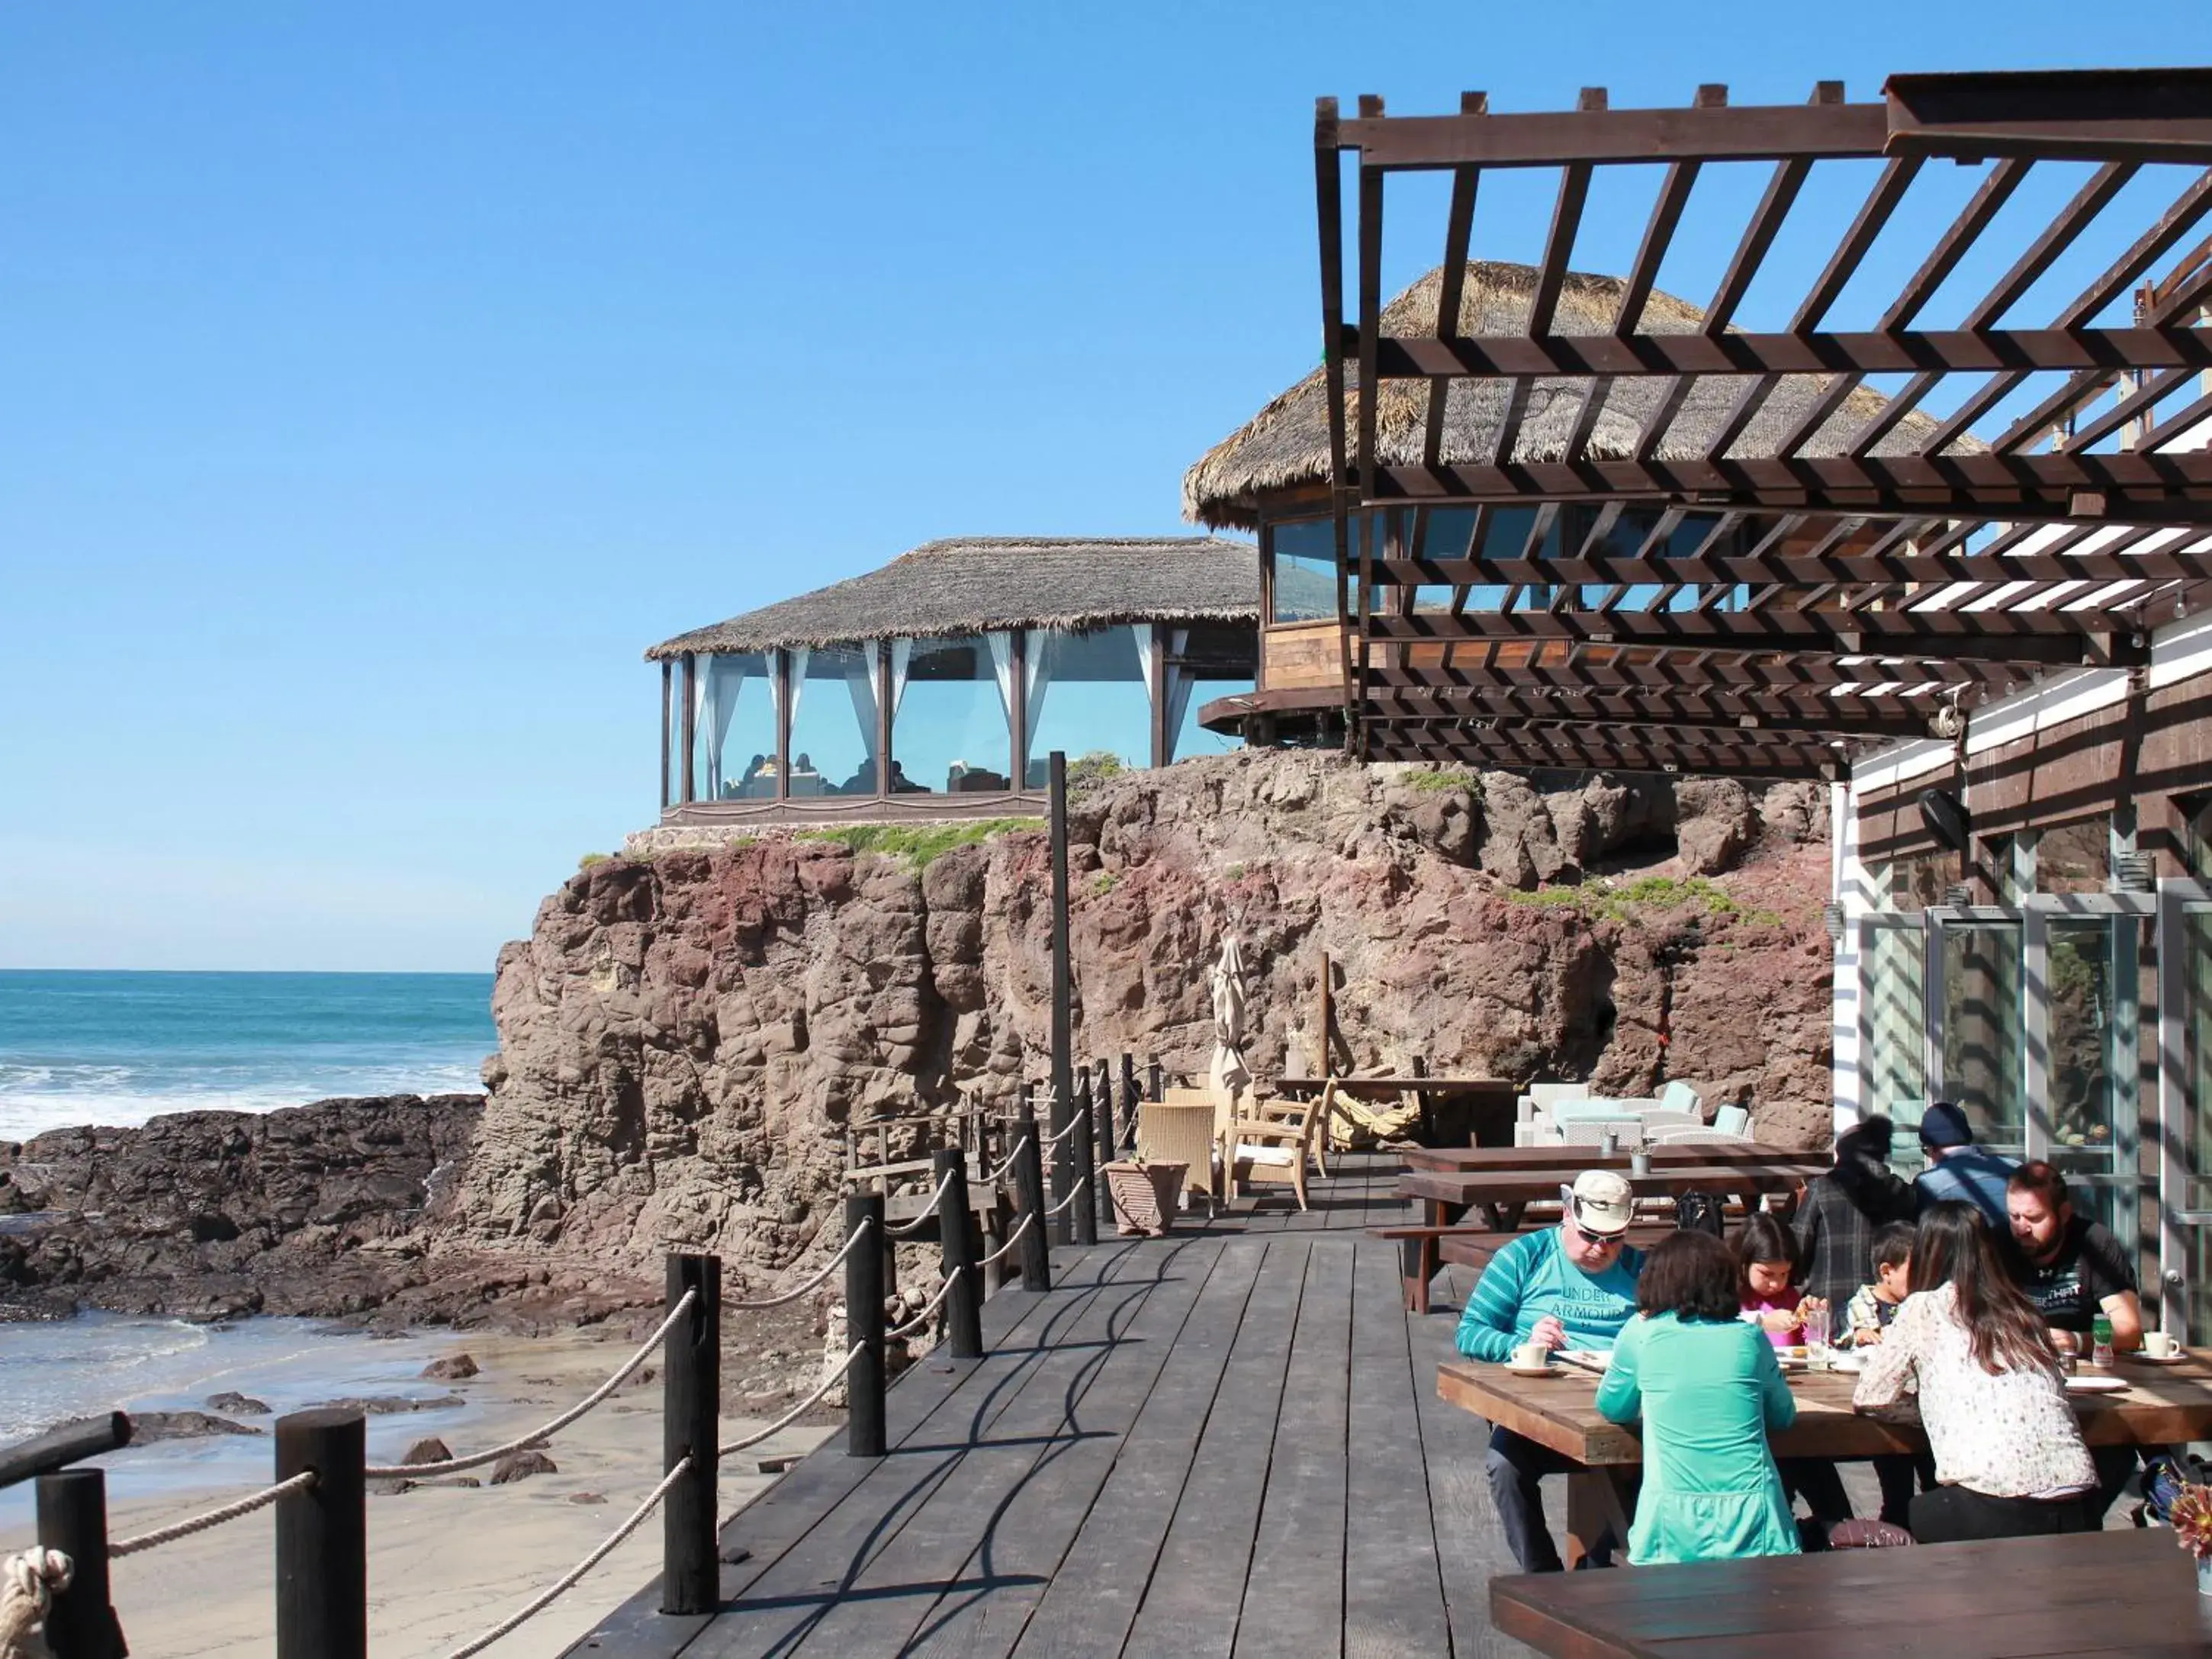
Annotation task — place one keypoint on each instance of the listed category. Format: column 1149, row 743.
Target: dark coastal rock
column 587, row 1498
column 147, row 1426
column 454, row 1368
column 392, row 1405
column 429, row 1449
column 243, row 1405
column 520, row 1466
column 20, row 1306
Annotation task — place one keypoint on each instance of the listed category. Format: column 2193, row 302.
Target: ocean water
column 117, row 1049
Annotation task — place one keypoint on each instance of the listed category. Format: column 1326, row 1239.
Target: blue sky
column 376, row 383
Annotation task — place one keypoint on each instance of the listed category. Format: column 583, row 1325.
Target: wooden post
column 1028, row 1189
column 1327, row 1018
column 956, row 1226
column 1102, row 1096
column 690, row 1420
column 1155, row 1081
column 322, row 1538
column 73, row 1519
column 864, row 1324
column 691, row 727
column 1082, row 1176
column 667, row 729
column 1129, row 1098
column 1062, row 1103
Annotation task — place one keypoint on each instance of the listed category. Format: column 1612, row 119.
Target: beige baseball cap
column 1600, row 1203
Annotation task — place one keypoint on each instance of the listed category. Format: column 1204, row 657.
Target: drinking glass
column 1816, row 1329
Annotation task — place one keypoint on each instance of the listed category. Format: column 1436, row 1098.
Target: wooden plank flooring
column 1224, row 1442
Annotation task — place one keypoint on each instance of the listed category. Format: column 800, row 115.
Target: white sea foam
column 33, row 1099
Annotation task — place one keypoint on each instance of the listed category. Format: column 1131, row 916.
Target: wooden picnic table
column 2092, row 1595
column 2163, row 1405
column 1504, row 1192
column 1572, row 1160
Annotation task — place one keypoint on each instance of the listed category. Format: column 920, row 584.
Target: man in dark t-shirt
column 2072, row 1268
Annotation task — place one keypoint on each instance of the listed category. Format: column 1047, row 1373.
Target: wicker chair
column 1180, row 1131
column 1272, row 1151
column 1627, row 1132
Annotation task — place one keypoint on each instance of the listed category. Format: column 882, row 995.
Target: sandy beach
column 444, row 1564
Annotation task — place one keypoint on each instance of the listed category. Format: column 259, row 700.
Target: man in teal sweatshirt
column 1569, row 1286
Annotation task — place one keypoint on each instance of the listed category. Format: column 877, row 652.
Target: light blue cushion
column 1731, row 1120
column 1680, row 1097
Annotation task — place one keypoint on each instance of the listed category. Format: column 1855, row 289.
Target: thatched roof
column 967, row 586
column 1286, row 443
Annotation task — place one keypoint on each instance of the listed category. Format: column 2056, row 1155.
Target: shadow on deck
column 1224, row 1442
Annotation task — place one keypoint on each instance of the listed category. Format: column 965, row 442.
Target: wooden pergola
column 1766, row 603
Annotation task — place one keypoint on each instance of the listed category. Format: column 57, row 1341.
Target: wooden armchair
column 1272, row 1151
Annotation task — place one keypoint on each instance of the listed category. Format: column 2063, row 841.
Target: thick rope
column 935, row 1303
column 1012, row 1239
column 1074, row 1193
column 1055, row 1139
column 796, row 1411
column 262, row 1499
column 567, row 1581
column 1008, row 1162
column 538, row 1436
column 907, row 1227
column 827, row 1268
column 28, row 1582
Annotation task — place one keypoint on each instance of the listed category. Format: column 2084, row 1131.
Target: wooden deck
column 1226, row 1442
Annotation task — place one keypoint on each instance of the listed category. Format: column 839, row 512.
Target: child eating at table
column 1766, row 1265
column 1875, row 1304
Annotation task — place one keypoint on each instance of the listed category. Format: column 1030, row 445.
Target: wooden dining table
column 1572, row 1160
column 2162, row 1405
column 1446, row 1195
column 2089, row 1595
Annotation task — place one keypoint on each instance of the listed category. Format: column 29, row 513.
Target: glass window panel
column 833, row 722
column 1893, row 1023
column 950, row 733
column 1088, row 697
column 2193, row 946
column 2083, row 1040
column 2197, row 836
column 2074, row 858
column 1444, row 533
column 1982, row 1030
column 672, row 714
column 1918, row 880
column 734, row 726
column 1305, row 554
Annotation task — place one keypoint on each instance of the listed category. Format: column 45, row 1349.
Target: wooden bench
column 1423, row 1250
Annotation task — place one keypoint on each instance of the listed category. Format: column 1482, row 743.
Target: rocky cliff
column 690, row 1028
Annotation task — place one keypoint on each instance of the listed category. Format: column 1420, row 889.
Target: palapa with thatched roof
column 975, row 585
column 1285, row 445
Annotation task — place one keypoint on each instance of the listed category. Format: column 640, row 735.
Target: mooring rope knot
column 29, row 1580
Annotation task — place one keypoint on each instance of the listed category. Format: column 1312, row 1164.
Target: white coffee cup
column 1530, row 1355
column 2160, row 1345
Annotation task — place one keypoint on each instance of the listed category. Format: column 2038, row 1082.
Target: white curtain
column 715, row 704
column 796, row 655
column 1180, row 683
column 860, row 685
column 1043, row 651
column 1002, row 666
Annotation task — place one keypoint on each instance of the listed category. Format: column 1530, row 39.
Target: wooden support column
column 779, row 666
column 667, row 729
column 1062, row 1104
column 690, row 725
column 1018, row 740
column 864, row 1324
column 692, row 1409
column 322, row 1537
column 72, row 1508
column 884, row 723
column 1157, row 692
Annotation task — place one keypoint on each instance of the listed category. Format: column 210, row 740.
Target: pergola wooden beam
column 1889, row 716
column 1792, row 570
column 1621, row 750
column 2049, row 636
column 1672, row 669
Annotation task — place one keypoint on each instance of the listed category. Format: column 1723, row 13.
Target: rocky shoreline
column 332, row 1209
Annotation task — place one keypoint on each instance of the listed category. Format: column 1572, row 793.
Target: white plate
column 1532, row 1370
column 1850, row 1364
column 2157, row 1358
column 1594, row 1359
column 2096, row 1385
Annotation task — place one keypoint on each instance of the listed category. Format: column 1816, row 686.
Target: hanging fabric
column 724, row 678
column 794, row 678
column 1179, row 683
column 860, row 685
column 1043, row 653
column 1002, row 666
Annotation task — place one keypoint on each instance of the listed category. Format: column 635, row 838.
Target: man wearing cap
column 1958, row 1169
column 1569, row 1286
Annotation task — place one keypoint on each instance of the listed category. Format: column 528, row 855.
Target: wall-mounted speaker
column 1945, row 815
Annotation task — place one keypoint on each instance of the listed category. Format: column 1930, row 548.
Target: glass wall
column 833, row 720
column 1090, row 694
column 951, row 731
column 733, row 726
column 1982, row 1030
column 1304, row 554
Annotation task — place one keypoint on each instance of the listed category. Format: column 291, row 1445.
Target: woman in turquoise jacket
column 1707, row 1388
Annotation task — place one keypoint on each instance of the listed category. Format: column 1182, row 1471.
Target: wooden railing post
column 1102, row 1095
column 956, row 1226
column 1083, row 1178
column 864, row 1324
column 1062, row 1103
column 690, row 1421
column 73, row 1519
column 322, row 1537
column 1128, row 1102
column 1156, row 1082
column 1028, row 1189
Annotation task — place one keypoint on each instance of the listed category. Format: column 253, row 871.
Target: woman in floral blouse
column 2009, row 1461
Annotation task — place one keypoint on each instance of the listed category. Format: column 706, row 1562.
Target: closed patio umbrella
column 1229, row 1074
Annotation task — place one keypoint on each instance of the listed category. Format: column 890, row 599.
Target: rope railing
column 935, row 1303
column 907, row 1229
column 1074, row 1193
column 568, row 1580
column 797, row 1411
column 538, row 1436
column 215, row 1517
column 827, row 1268
column 1066, row 1129
column 1012, row 1239
column 998, row 1169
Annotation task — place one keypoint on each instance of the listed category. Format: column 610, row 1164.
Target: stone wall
column 685, row 1037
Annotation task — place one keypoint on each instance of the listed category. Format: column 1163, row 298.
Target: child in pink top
column 1767, row 1257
